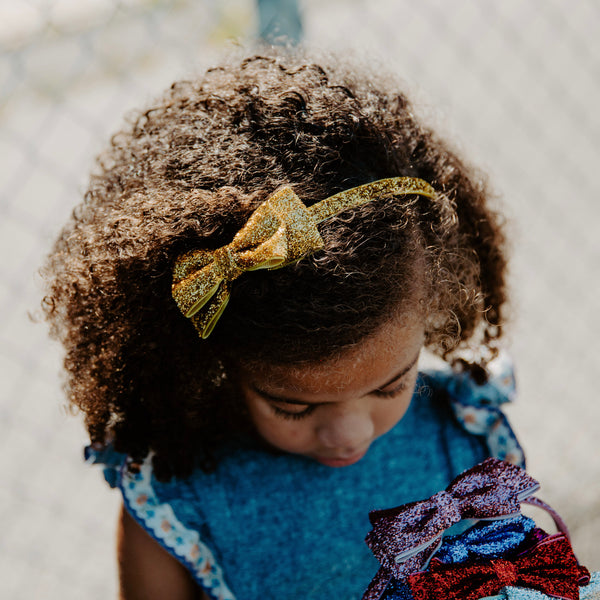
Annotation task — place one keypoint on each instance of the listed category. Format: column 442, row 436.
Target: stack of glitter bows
column 502, row 554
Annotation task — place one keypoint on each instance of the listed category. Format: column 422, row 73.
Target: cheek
column 389, row 412
column 388, row 416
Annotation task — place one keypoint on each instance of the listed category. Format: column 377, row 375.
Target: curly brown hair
column 186, row 173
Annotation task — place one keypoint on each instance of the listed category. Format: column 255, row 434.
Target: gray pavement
column 514, row 83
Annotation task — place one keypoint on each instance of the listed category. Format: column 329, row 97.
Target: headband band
column 279, row 232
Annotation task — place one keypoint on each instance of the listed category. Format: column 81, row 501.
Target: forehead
column 367, row 365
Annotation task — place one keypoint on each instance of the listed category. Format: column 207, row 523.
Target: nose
column 347, row 430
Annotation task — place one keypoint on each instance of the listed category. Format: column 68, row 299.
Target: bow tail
column 555, row 584
column 196, row 289
column 205, row 321
column 378, row 585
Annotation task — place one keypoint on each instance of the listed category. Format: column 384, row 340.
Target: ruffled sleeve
column 478, row 407
column 112, row 461
column 147, row 501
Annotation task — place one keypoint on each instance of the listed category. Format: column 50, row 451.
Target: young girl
column 243, row 297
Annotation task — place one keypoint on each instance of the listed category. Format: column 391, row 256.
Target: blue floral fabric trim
column 159, row 520
column 477, row 407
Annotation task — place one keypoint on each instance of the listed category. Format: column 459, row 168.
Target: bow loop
column 286, row 215
column 481, row 491
column 270, row 254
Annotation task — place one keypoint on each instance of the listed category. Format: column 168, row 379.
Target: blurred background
column 515, row 84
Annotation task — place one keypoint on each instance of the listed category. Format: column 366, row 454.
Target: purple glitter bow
column 403, row 539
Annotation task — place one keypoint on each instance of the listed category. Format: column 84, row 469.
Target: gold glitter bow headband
column 279, row 232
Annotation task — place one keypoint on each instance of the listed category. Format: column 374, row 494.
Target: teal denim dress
column 269, row 525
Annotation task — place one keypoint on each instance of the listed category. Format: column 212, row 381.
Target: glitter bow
column 403, row 539
column 486, row 540
column 550, row 567
column 279, row 232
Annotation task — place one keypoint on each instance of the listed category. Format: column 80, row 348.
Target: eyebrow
column 274, row 398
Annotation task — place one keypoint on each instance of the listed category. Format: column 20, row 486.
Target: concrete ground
column 515, row 84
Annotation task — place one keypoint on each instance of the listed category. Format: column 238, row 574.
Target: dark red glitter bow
column 404, row 538
column 549, row 567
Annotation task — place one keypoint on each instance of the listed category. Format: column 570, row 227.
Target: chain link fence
column 516, row 84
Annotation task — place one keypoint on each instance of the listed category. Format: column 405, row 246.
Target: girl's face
column 332, row 411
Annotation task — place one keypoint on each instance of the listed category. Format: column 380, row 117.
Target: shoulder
column 460, row 387
column 477, row 407
column 146, row 570
column 167, row 512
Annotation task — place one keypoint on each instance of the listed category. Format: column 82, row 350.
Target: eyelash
column 296, row 416
column 399, row 388
column 293, row 415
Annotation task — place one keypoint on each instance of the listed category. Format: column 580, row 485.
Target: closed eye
column 390, row 393
column 297, row 414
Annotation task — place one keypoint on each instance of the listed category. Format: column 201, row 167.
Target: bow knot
column 446, row 504
column 505, row 571
column 225, row 263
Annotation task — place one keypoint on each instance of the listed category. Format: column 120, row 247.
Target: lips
column 341, row 462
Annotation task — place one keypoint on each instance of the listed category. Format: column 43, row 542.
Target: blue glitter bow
column 486, row 540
